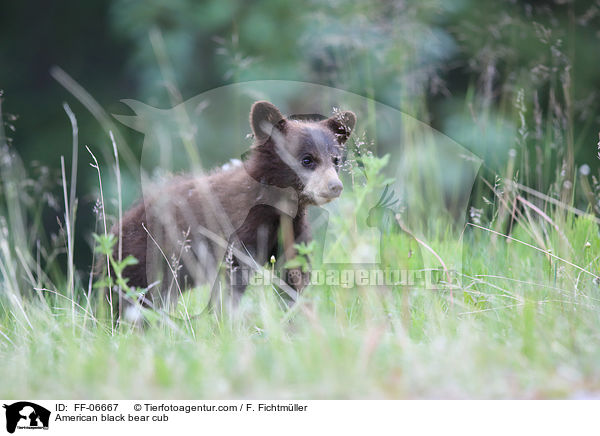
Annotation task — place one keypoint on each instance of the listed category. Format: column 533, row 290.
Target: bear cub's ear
column 342, row 124
column 263, row 117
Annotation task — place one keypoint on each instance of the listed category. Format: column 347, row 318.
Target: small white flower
column 584, row 170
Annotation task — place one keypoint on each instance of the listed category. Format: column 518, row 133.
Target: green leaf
column 105, row 243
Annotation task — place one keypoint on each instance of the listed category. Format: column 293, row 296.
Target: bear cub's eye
column 308, row 161
column 336, row 161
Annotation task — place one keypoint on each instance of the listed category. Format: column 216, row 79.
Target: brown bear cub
column 182, row 233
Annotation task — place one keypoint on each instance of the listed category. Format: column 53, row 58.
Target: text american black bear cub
column 184, row 231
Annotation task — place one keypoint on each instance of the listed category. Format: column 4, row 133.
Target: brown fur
column 241, row 208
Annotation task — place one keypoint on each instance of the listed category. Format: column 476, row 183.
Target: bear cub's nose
column 335, row 187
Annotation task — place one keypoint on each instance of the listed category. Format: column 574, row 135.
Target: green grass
column 500, row 339
column 520, row 320
column 519, row 324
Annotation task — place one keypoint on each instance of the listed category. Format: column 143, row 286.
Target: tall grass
column 519, row 321
column 523, row 322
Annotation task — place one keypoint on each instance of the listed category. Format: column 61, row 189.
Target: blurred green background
column 502, row 78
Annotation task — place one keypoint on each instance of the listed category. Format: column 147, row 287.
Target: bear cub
column 189, row 228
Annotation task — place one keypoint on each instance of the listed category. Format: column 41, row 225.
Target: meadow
column 516, row 310
column 519, row 320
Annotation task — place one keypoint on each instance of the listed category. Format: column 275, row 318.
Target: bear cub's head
column 301, row 151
